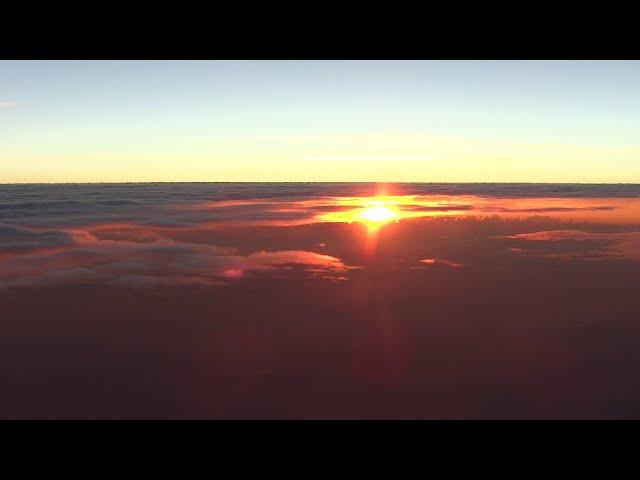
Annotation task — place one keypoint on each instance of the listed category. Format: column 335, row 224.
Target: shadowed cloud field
column 319, row 301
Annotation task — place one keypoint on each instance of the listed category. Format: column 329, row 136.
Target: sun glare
column 378, row 214
column 371, row 211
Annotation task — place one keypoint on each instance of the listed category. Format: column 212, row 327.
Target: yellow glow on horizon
column 257, row 159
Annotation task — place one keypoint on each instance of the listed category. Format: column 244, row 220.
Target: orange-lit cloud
column 436, row 261
column 156, row 263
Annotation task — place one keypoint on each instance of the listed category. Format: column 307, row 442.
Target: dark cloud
column 14, row 238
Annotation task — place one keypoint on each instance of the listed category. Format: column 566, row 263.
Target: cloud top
column 154, row 235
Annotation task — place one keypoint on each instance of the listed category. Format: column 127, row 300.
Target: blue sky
column 320, row 120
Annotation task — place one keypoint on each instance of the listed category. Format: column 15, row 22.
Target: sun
column 374, row 212
column 377, row 214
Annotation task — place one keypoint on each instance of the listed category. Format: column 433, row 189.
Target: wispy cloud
column 8, row 104
column 621, row 244
column 375, row 158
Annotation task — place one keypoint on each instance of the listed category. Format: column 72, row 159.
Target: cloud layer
column 155, row 264
column 161, row 234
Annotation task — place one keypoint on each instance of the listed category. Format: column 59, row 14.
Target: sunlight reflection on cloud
column 157, row 263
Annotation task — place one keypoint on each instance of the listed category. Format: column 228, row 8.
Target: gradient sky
column 431, row 121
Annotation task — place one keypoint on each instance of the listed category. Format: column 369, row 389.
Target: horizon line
column 319, row 182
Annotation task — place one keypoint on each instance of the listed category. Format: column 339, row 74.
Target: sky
column 391, row 121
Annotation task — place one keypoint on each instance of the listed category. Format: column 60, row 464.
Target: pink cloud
column 153, row 264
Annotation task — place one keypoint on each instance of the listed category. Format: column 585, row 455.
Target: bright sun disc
column 377, row 214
